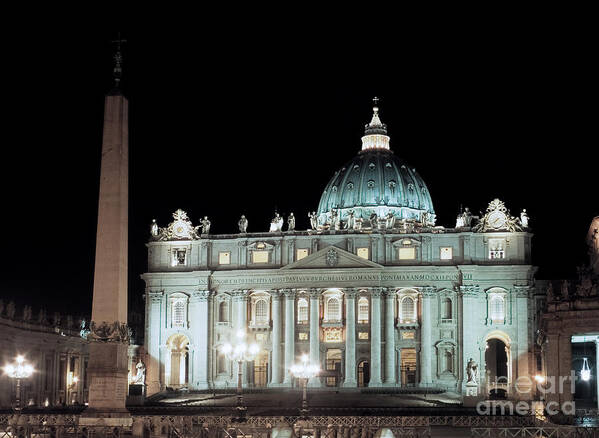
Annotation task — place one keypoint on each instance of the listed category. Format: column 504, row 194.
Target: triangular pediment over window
column 332, row 257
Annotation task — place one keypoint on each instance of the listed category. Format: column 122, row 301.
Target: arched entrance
column 176, row 368
column 498, row 365
column 363, row 373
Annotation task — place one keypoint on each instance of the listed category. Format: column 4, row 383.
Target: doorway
column 363, row 373
column 497, row 368
column 408, row 367
column 585, row 386
column 333, row 367
column 261, row 369
column 176, row 369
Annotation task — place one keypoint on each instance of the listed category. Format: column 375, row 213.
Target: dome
column 377, row 181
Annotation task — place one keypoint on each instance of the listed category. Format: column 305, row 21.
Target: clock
column 179, row 228
column 497, row 219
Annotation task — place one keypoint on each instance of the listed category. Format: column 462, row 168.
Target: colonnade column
column 314, row 335
column 350, row 338
column 426, row 337
column 275, row 376
column 375, row 337
column 389, row 338
column 198, row 311
column 289, row 334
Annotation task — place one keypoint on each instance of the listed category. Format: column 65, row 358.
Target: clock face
column 497, row 219
column 179, row 228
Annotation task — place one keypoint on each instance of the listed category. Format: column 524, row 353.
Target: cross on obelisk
column 109, row 335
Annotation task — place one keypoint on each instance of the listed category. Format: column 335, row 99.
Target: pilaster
column 199, row 326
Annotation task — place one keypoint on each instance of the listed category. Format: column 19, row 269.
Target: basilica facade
column 375, row 293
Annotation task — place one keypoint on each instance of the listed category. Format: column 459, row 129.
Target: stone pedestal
column 472, row 397
column 108, row 378
column 137, row 395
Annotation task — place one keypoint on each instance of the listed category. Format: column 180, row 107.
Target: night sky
column 247, row 127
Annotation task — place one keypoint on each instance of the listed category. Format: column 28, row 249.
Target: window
column 179, row 257
column 363, row 310
column 178, row 313
column 446, row 308
column 302, row 336
column 364, row 253
column 302, row 311
column 363, row 336
column 407, row 253
column 446, row 253
column 224, row 258
column 333, row 309
column 496, row 249
column 223, row 311
column 301, row 253
column 497, row 308
column 407, row 310
column 261, row 312
column 259, row 256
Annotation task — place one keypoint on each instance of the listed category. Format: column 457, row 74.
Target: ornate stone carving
column 275, row 294
column 332, row 258
column 180, row 229
column 350, row 293
column 314, row 293
column 428, row 291
column 472, row 371
column 155, row 297
column 200, row 295
column 109, row 332
column 497, row 218
column 376, row 292
column 289, row 293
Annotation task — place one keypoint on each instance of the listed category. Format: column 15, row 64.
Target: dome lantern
column 375, row 132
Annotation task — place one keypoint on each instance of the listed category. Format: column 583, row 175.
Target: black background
column 224, row 127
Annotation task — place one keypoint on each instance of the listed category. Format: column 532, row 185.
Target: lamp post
column 240, row 352
column 18, row 370
column 304, row 371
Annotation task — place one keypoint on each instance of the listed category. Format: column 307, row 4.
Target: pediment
column 332, row 257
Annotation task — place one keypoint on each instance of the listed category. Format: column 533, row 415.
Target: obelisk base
column 108, row 374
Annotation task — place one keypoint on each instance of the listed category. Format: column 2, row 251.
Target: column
column 289, row 334
column 389, row 338
column 565, row 368
column 552, row 370
column 350, row 338
column 152, row 341
column 240, row 297
column 314, row 334
column 375, row 337
column 199, row 358
column 426, row 344
column 275, row 375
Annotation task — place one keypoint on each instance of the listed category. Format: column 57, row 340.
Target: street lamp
column 240, row 352
column 304, row 371
column 18, row 370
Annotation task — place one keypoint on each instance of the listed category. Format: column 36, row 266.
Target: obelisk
column 109, row 335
